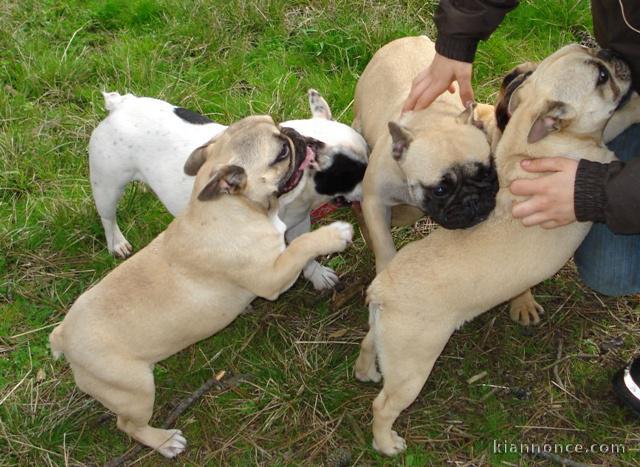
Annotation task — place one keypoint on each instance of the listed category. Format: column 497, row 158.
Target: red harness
column 327, row 208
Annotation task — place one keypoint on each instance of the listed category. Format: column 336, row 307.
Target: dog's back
column 128, row 143
column 386, row 82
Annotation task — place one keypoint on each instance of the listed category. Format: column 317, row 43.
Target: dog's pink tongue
column 309, row 159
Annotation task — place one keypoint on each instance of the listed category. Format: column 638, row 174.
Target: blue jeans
column 610, row 263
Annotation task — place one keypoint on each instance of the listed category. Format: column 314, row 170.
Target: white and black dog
column 149, row 140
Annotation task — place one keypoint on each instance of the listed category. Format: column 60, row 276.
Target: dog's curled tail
column 56, row 342
column 112, row 100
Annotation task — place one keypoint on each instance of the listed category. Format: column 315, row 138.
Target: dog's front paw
column 391, row 447
column 320, row 276
column 174, row 445
column 343, row 232
column 525, row 310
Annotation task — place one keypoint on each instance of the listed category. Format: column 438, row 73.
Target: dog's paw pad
column 122, row 250
column 396, row 445
column 321, row 277
column 174, row 445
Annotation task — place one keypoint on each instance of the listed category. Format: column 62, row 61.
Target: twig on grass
column 73, row 36
column 556, row 372
column 567, row 357
column 217, row 381
column 31, row 331
column 351, row 291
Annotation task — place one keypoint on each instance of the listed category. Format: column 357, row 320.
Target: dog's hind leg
column 524, row 309
column 407, row 351
column 127, row 388
column 107, row 190
column 365, row 368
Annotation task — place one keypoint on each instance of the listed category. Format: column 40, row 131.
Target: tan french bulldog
column 523, row 308
column 434, row 285
column 437, row 161
column 196, row 277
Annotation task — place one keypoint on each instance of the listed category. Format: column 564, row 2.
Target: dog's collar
column 626, row 98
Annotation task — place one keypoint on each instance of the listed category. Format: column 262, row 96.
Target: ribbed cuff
column 590, row 197
column 463, row 50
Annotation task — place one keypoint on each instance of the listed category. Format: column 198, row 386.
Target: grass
column 230, row 59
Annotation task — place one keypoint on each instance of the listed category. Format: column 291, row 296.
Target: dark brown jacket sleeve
column 462, row 23
column 609, row 193
column 615, row 24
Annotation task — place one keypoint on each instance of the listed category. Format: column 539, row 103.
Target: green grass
column 231, row 59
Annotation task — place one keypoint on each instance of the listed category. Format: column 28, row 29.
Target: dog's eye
column 284, row 153
column 441, row 190
column 603, row 75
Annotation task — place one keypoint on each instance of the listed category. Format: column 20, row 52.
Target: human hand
column 438, row 78
column 550, row 202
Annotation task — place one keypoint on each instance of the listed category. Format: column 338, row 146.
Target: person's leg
column 610, row 263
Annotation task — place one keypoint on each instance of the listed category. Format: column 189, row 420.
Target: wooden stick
column 556, row 372
column 220, row 384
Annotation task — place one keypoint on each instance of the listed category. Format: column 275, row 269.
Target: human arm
column 609, row 193
column 582, row 191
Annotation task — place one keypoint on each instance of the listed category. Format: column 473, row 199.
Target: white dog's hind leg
column 106, row 194
column 117, row 244
column 106, row 198
column 407, row 350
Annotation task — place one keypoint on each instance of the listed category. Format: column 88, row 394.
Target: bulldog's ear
column 197, row 158
column 521, row 72
column 229, row 179
column 401, row 138
column 514, row 99
column 317, row 104
column 468, row 117
column 555, row 116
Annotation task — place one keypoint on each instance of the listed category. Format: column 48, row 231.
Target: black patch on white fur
column 191, row 117
column 341, row 177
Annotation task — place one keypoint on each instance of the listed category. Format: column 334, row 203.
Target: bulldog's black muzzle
column 469, row 198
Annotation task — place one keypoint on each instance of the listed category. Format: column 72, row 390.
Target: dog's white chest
column 279, row 226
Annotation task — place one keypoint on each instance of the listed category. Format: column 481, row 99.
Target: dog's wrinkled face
column 465, row 195
column 581, row 87
column 450, row 172
column 252, row 157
